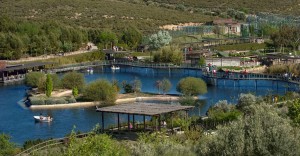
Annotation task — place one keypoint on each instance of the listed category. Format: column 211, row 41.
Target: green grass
column 241, row 47
column 140, row 54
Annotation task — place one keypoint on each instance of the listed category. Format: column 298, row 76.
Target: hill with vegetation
column 114, row 15
column 279, row 7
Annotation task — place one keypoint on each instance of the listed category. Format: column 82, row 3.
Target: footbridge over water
column 252, row 80
column 222, row 79
column 81, row 66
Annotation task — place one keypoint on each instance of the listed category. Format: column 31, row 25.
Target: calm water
column 18, row 122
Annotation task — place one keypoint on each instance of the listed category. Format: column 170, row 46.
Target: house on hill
column 228, row 26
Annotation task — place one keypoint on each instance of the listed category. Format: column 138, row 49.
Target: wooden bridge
column 210, row 77
column 81, row 66
column 213, row 78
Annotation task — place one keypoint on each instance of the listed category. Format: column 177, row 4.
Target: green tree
column 158, row 85
column 162, row 38
column 102, row 145
column 56, row 81
column 166, row 85
column 75, row 92
column 32, row 79
column 49, row 85
column 132, row 37
column 191, row 86
column 223, row 111
column 169, row 54
column 294, row 111
column 158, row 144
column 263, row 132
column 100, row 90
column 202, row 61
column 7, row 148
column 73, row 79
column 107, row 37
column 136, row 85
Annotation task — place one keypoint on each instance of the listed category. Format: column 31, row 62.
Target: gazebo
column 144, row 109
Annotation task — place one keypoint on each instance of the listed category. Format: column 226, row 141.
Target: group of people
column 44, row 117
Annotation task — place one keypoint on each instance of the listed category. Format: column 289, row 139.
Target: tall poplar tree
column 49, row 85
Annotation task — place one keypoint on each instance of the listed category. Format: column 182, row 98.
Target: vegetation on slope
column 280, row 7
column 114, row 15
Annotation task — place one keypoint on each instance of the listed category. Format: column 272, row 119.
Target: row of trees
column 287, row 36
column 23, row 38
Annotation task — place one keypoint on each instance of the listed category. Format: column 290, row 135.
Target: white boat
column 115, row 67
column 42, row 119
column 90, row 70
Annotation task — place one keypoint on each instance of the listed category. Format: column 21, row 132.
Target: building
column 279, row 58
column 16, row 73
column 228, row 26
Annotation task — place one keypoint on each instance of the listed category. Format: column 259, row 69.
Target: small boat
column 115, row 67
column 90, row 70
column 42, row 119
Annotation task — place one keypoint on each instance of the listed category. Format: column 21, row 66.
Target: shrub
column 50, row 101
column 73, row 79
column 169, row 54
column 37, row 100
column 191, row 86
column 75, row 92
column 71, row 100
column 100, row 90
column 32, row 79
column 61, row 101
column 49, row 85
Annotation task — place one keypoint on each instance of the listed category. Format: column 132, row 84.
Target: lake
column 17, row 121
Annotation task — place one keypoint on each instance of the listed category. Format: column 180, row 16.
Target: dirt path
column 43, row 57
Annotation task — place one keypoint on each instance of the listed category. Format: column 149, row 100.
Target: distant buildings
column 228, row 26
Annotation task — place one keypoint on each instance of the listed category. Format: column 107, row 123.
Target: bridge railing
column 251, row 76
column 242, row 75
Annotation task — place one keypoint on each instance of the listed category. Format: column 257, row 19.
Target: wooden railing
column 249, row 76
column 48, row 143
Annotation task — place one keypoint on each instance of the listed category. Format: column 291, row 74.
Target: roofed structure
column 150, row 109
column 16, row 73
column 25, row 66
column 144, row 109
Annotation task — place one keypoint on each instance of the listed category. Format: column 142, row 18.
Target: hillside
column 98, row 14
column 288, row 7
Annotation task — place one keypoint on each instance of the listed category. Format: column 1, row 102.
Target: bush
column 71, row 100
column 169, row 54
column 37, row 100
column 100, row 90
column 32, row 79
column 191, row 86
column 61, row 101
column 73, row 79
column 50, row 101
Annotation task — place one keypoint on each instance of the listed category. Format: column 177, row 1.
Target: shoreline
column 91, row 104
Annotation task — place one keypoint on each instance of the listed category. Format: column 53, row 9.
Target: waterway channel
column 17, row 121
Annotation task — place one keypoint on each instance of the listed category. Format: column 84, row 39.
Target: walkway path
column 43, row 57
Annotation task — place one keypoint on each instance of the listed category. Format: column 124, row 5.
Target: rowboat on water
column 90, row 70
column 115, row 67
column 42, row 119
